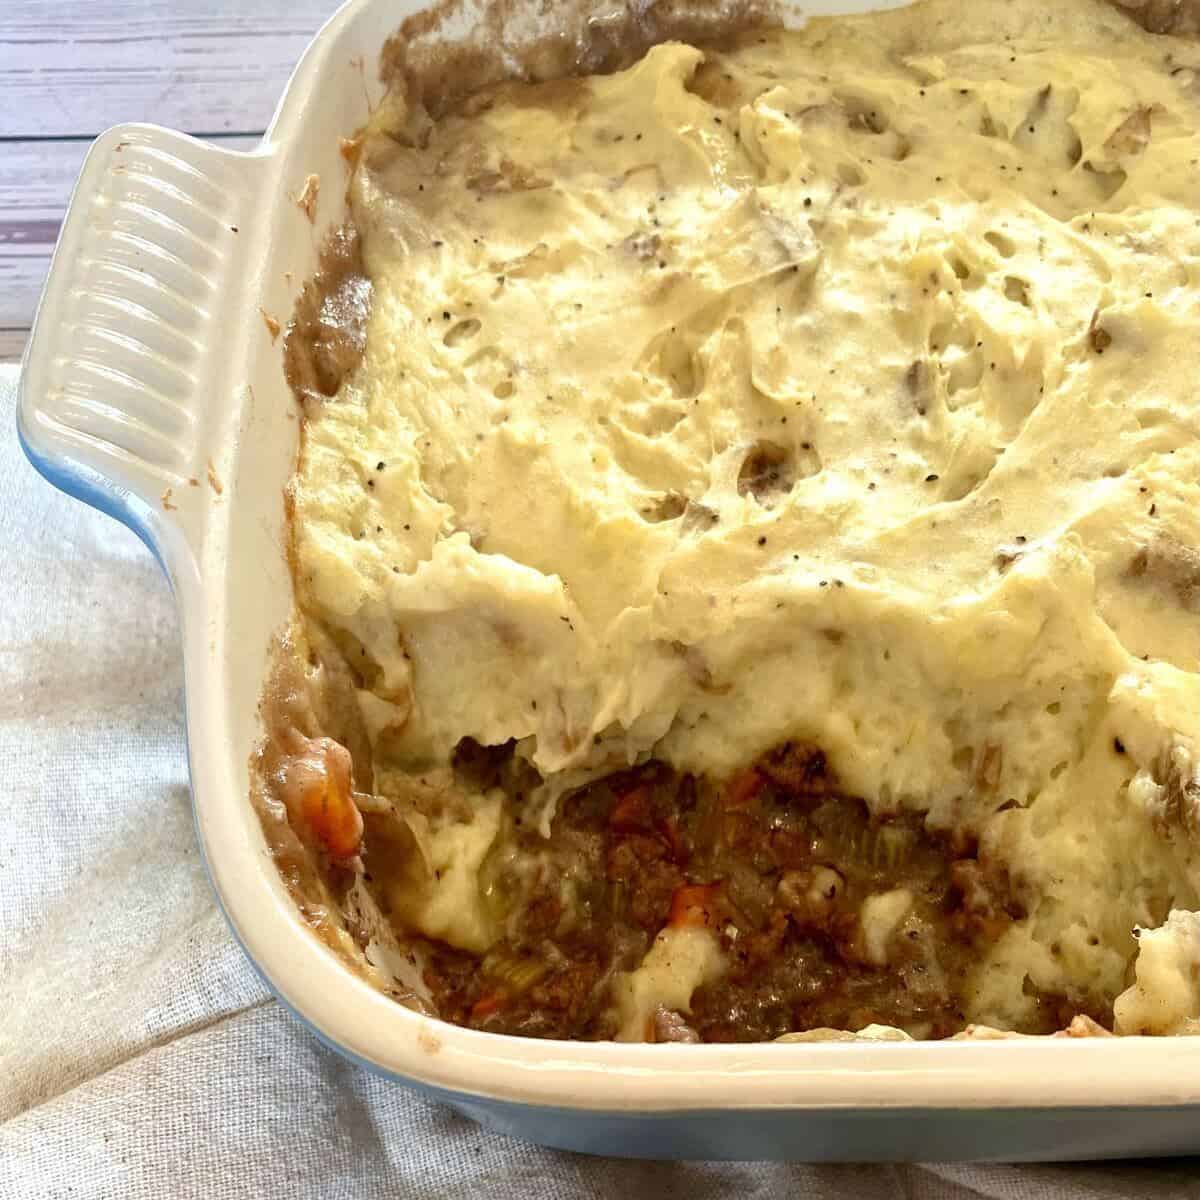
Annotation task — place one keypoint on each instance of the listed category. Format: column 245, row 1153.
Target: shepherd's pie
column 747, row 540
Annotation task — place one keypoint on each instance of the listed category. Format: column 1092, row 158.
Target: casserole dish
column 153, row 390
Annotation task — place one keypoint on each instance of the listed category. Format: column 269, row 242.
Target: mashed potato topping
column 835, row 386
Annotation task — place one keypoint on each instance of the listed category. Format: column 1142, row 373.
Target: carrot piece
column 743, row 788
column 326, row 803
column 486, row 1005
column 694, row 904
column 631, row 811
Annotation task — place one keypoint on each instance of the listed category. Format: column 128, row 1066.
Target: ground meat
column 782, row 861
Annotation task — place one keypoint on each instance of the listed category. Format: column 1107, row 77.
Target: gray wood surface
column 68, row 71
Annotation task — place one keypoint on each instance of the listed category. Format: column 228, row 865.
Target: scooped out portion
column 746, row 541
column 811, row 914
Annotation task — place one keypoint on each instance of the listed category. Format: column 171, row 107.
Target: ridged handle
column 128, row 339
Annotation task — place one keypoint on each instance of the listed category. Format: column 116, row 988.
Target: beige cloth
column 140, row 1056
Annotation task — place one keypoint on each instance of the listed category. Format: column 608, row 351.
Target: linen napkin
column 140, row 1056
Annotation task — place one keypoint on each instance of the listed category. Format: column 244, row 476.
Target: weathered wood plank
column 204, row 66
column 12, row 344
column 69, row 71
column 36, row 179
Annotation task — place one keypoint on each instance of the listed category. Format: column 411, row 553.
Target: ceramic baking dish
column 153, row 389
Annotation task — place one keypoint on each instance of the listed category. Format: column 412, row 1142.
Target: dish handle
column 128, row 343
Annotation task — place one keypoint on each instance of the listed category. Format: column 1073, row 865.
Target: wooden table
column 214, row 68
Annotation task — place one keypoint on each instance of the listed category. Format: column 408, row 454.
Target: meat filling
column 826, row 917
